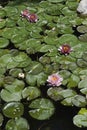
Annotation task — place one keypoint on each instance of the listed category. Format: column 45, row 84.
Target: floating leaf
column 47, row 48
column 68, row 39
column 84, row 56
column 82, row 29
column 81, row 63
column 73, row 81
column 1, row 119
column 13, row 109
column 54, row 93
column 67, row 101
column 12, row 92
column 79, row 101
column 17, row 124
column 80, row 121
column 2, row 23
column 3, row 42
column 83, row 83
column 67, row 93
column 56, row 1
column 31, row 93
column 2, row 13
column 41, row 109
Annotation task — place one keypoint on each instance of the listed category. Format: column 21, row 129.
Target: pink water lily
column 54, row 80
column 25, row 13
column 32, row 18
column 65, row 49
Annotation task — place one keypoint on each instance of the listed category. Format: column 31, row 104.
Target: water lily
column 55, row 80
column 25, row 13
column 65, row 49
column 32, row 18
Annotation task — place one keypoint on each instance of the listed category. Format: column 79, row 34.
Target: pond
column 43, row 65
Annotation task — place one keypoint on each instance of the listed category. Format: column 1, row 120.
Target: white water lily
column 82, row 7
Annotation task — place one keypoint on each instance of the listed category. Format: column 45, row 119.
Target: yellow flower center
column 54, row 78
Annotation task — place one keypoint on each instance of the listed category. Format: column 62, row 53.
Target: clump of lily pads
column 43, row 49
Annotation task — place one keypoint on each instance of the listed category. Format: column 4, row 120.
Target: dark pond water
column 61, row 120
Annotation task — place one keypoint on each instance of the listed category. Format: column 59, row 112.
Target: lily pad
column 2, row 13
column 54, row 93
column 79, row 101
column 42, row 109
column 80, row 120
column 13, row 109
column 82, row 29
column 68, row 39
column 31, row 93
column 83, row 83
column 3, row 42
column 1, row 119
column 2, row 23
column 17, row 124
column 56, row 1
column 12, row 92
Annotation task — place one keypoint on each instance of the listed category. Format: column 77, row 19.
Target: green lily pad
column 31, row 93
column 67, row 11
column 47, row 48
column 13, row 91
column 55, row 1
column 1, row 119
column 80, row 120
column 73, row 81
column 42, row 109
column 17, row 124
column 41, row 79
column 54, row 93
column 51, row 40
column 45, row 60
column 11, row 11
column 2, row 13
column 67, row 101
column 83, row 37
column 79, row 101
column 68, row 39
column 81, row 63
column 13, row 109
column 36, row 68
column 3, row 42
column 2, row 23
column 84, row 56
column 20, row 57
column 53, row 10
column 82, row 29
column 67, row 93
column 72, row 4
column 83, row 83
column 15, row 72
column 10, row 23
column 31, row 79
column 65, row 74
